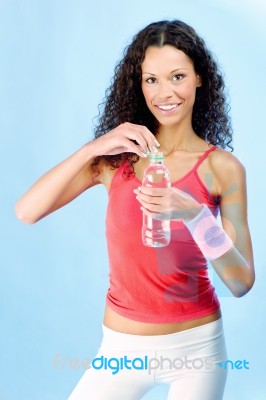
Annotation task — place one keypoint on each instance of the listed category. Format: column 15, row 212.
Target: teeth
column 167, row 108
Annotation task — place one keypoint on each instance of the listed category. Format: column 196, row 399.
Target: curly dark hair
column 125, row 101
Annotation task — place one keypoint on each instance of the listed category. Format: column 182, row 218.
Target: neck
column 172, row 138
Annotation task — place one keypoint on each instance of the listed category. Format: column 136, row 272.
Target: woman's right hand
column 122, row 140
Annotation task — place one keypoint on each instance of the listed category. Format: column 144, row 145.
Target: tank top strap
column 202, row 158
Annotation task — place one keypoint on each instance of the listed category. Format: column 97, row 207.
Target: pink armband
column 209, row 235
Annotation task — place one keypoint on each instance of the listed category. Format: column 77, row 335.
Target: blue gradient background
column 57, row 59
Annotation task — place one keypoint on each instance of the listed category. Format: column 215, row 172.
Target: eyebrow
column 175, row 70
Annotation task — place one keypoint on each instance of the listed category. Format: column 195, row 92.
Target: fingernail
column 144, row 154
column 154, row 149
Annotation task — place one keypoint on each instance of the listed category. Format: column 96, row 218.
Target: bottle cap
column 156, row 156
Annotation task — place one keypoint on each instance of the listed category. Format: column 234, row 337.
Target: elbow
column 243, row 288
column 22, row 214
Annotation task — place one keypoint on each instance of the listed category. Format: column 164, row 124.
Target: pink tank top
column 156, row 285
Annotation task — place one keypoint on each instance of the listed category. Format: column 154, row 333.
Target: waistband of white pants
column 202, row 333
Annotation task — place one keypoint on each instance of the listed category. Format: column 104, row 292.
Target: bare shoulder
column 227, row 169
column 221, row 159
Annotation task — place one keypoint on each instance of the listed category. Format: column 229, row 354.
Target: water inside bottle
column 156, row 232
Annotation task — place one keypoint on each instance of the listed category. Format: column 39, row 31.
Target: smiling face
column 169, row 84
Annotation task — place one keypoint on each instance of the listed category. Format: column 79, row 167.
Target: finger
column 137, row 150
column 150, row 206
column 144, row 137
column 130, row 147
column 153, row 215
column 152, row 142
column 138, row 139
column 151, row 139
column 145, row 201
column 149, row 199
column 158, row 192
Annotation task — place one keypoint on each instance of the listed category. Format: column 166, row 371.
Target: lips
column 167, row 107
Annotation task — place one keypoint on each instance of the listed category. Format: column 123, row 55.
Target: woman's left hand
column 167, row 203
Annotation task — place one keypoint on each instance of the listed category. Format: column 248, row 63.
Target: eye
column 150, row 80
column 178, row 77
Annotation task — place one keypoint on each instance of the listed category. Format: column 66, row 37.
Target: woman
column 162, row 319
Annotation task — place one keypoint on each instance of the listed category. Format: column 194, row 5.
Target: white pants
column 128, row 366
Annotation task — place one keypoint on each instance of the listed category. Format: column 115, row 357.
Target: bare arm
column 49, row 192
column 236, row 267
column 73, row 176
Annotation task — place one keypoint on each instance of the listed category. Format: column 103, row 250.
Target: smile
column 167, row 107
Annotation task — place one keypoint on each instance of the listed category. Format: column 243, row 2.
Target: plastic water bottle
column 156, row 232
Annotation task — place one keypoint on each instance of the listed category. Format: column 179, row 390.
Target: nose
column 165, row 90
